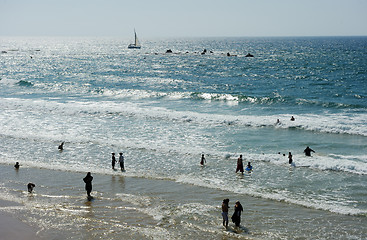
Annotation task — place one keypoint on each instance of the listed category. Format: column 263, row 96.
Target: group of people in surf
column 236, row 217
column 87, row 179
column 248, row 168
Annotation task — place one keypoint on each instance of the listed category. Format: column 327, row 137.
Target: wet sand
column 12, row 228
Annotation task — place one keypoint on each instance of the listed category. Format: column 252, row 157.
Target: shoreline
column 140, row 208
column 11, row 227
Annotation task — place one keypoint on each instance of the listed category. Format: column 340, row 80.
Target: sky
column 186, row 18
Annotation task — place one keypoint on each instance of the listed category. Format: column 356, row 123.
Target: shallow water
column 165, row 110
column 144, row 208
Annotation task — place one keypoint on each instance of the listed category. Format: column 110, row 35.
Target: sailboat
column 135, row 45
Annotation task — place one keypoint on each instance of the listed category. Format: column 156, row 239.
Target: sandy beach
column 11, row 228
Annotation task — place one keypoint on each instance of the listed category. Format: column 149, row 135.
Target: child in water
column 249, row 167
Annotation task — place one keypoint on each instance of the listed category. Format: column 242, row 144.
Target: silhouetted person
column 113, row 160
column 290, row 158
column 122, row 162
column 236, row 217
column 88, row 183
column 61, row 146
column 17, row 165
column 308, row 151
column 278, row 121
column 239, row 164
column 225, row 208
column 292, row 118
column 202, row 160
column 30, row 187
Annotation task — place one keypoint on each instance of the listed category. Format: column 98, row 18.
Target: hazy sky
column 186, row 18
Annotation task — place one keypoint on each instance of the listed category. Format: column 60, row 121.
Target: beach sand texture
column 12, row 228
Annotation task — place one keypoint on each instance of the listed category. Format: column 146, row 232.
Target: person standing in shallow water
column 16, row 166
column 308, row 151
column 88, row 183
column 225, row 208
column 113, row 160
column 122, row 163
column 239, row 164
column 290, row 158
column 236, row 217
column 202, row 160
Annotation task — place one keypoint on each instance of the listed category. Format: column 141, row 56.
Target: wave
column 9, row 82
column 24, row 83
column 231, row 98
column 356, row 164
column 226, row 97
column 338, row 123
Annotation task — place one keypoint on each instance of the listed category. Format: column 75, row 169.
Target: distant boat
column 135, row 45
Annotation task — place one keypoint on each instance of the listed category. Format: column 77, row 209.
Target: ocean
column 163, row 111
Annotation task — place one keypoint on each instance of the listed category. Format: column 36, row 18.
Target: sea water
column 163, row 110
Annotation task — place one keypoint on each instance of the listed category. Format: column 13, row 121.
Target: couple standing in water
column 236, row 217
column 121, row 161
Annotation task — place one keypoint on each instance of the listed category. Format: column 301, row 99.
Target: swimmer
column 308, row 151
column 17, row 165
column 249, row 167
column 61, row 146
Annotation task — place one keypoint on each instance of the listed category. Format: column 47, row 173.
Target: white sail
column 136, row 44
column 136, row 40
